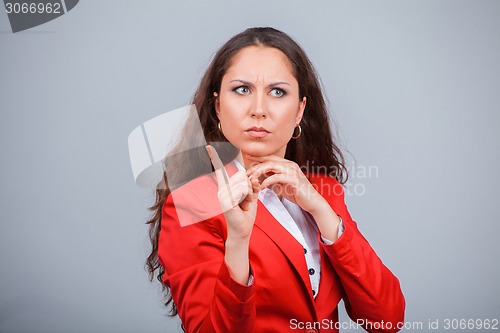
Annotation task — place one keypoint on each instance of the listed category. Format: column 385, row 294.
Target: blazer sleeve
column 373, row 297
column 208, row 299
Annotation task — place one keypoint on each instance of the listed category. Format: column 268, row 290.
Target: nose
column 259, row 108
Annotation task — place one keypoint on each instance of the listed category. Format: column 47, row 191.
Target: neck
column 243, row 161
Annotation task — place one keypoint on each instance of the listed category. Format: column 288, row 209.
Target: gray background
column 413, row 85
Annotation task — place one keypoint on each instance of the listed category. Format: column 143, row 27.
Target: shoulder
column 326, row 185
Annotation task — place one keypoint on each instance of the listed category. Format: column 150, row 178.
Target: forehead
column 253, row 62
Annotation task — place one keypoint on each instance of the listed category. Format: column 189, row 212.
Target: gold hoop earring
column 219, row 126
column 298, row 135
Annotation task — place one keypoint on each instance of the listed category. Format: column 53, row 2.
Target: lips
column 257, row 132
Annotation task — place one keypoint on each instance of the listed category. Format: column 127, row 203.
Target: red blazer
column 280, row 298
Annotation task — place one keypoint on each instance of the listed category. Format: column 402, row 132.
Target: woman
column 282, row 250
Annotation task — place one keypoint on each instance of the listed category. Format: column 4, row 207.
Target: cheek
column 286, row 113
column 231, row 107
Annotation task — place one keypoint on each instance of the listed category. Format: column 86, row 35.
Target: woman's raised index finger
column 220, row 170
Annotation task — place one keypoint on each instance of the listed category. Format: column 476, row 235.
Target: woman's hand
column 238, row 196
column 287, row 179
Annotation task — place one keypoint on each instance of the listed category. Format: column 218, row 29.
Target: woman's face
column 258, row 104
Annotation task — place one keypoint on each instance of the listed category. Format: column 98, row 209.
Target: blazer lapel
column 290, row 247
column 285, row 241
column 330, row 291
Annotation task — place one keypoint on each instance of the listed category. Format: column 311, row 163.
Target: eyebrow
column 274, row 84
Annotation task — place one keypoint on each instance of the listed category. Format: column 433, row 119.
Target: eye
column 243, row 90
column 278, row 92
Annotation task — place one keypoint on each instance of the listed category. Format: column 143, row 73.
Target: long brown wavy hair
column 315, row 149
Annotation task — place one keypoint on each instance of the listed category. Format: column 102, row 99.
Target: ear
column 217, row 111
column 302, row 107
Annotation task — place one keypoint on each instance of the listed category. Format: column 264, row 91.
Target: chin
column 258, row 148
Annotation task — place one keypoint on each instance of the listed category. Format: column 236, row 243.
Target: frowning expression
column 259, row 104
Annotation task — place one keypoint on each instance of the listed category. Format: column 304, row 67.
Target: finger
column 253, row 195
column 267, row 167
column 222, row 176
column 277, row 178
column 247, row 200
column 241, row 182
column 255, row 187
column 240, row 186
column 274, row 160
column 239, row 190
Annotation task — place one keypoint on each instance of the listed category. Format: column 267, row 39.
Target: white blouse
column 300, row 225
